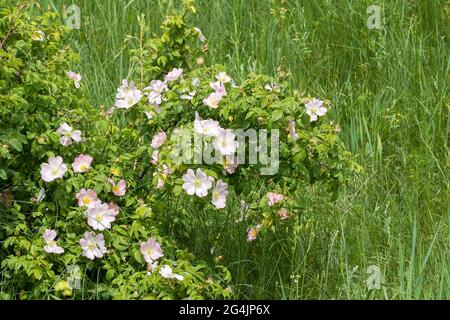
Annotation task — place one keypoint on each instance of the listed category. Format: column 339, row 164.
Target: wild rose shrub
column 60, row 156
column 88, row 190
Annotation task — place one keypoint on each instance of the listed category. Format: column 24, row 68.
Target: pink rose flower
column 158, row 140
column 82, row 163
column 283, row 214
column 274, row 198
column 120, row 188
column 87, row 198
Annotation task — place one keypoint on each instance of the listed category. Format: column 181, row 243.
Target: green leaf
column 276, row 115
column 3, row 174
column 110, row 274
column 138, row 256
column 162, row 61
column 37, row 274
column 15, row 144
column 177, row 190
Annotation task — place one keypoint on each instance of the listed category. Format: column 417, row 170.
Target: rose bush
column 88, row 190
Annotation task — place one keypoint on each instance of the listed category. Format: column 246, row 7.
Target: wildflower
column 272, row 87
column 201, row 37
column 225, row 142
column 230, row 164
column 93, row 245
column 87, row 198
column 223, row 77
column 68, row 135
column 219, row 88
column 291, row 129
column 155, row 155
column 154, row 99
column 114, row 207
column 188, row 96
column 178, row 277
column 174, row 74
column 127, row 95
column 120, row 188
column 213, row 100
column 157, row 86
column 76, row 77
column 167, row 272
column 198, row 183
column 252, row 232
column 274, row 198
column 162, row 176
column 82, row 163
column 54, row 169
column 151, row 250
column 283, row 214
column 315, row 109
column 158, row 140
column 209, row 128
column 51, row 246
column 100, row 217
column 219, row 195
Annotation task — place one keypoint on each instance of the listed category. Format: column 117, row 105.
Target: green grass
column 390, row 90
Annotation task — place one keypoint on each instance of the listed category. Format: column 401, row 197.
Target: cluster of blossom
column 223, row 141
column 100, row 215
column 157, row 141
column 314, row 109
column 76, row 77
column 272, row 199
column 127, row 95
column 68, row 135
column 152, row 251
column 215, row 97
column 199, row 183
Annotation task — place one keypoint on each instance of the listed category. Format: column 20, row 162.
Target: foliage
column 38, row 96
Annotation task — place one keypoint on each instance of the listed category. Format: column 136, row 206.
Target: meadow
column 390, row 94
